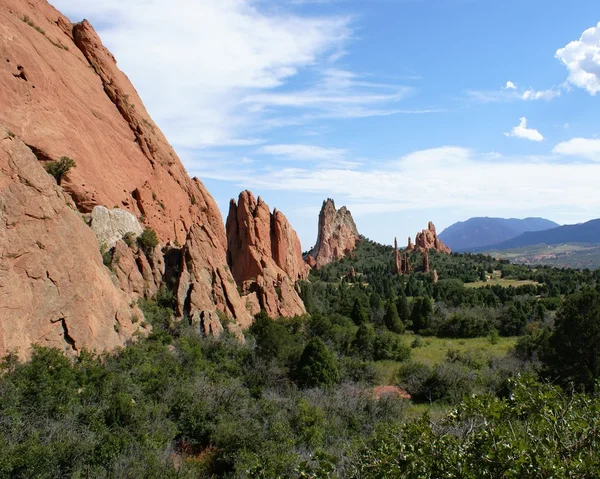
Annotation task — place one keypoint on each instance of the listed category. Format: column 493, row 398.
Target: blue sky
column 404, row 110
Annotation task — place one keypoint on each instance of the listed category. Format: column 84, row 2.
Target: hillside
column 588, row 232
column 484, row 231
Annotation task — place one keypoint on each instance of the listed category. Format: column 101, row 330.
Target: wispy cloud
column 512, row 92
column 521, row 131
column 582, row 59
column 304, row 152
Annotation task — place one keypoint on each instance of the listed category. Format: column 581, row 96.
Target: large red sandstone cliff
column 337, row 235
column 265, row 256
column 62, row 94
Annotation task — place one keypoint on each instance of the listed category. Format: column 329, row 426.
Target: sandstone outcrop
column 62, row 94
column 426, row 266
column 54, row 289
column 110, row 226
column 410, row 247
column 265, row 257
column 336, row 238
column 428, row 240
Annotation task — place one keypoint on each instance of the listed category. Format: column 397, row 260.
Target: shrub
column 148, row 240
column 60, row 168
column 317, row 366
column 389, row 346
column 129, row 238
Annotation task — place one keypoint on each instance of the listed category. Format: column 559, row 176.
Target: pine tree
column 392, row 319
column 317, row 366
column 359, row 315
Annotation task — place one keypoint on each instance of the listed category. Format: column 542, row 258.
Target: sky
column 405, row 111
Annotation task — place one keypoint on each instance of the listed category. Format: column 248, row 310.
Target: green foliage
column 148, row 240
column 59, row 169
column 129, row 238
column 539, row 432
column 364, row 342
column 574, row 355
column 359, row 315
column 317, row 366
column 392, row 319
column 389, row 346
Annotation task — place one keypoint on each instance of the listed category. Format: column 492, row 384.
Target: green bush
column 148, row 240
column 317, row 366
column 58, row 169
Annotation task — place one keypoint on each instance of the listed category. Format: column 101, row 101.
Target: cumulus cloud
column 582, row 59
column 510, row 86
column 521, row 131
column 588, row 149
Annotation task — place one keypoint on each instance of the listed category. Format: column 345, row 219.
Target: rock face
column 111, row 225
column 265, row 256
column 54, row 289
column 62, row 94
column 337, row 236
column 426, row 266
column 427, row 240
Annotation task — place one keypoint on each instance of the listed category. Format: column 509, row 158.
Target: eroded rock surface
column 265, row 256
column 63, row 94
column 428, row 240
column 54, row 289
column 110, row 226
column 337, row 235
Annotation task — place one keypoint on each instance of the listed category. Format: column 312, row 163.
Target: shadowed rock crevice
column 68, row 339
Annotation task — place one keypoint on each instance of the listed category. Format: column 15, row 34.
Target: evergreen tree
column 317, row 366
column 392, row 319
column 402, row 307
column 575, row 343
column 364, row 341
column 359, row 315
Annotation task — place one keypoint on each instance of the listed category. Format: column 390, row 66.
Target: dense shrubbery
column 537, row 432
column 296, row 400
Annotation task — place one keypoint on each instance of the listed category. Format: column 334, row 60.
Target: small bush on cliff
column 148, row 240
column 60, row 168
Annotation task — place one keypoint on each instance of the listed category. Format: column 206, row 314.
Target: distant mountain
column 588, row 233
column 481, row 232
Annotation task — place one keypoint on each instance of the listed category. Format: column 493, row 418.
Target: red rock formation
column 62, row 93
column 265, row 256
column 405, row 264
column 410, row 246
column 54, row 289
column 435, row 276
column 337, row 235
column 380, row 392
column 426, row 267
column 427, row 240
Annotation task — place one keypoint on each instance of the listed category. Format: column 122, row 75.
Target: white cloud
column 521, row 131
column 304, row 152
column 582, row 59
column 443, row 178
column 511, row 92
column 194, row 62
column 579, row 147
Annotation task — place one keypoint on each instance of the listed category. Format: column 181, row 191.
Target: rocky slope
column 265, row 257
column 62, row 94
column 337, row 235
column 428, row 240
column 54, row 289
